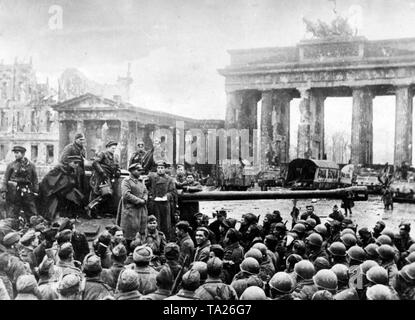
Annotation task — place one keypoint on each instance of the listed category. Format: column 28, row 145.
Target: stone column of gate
column 275, row 126
column 304, row 127
column 63, row 135
column 317, row 98
column 403, row 125
column 233, row 108
column 362, row 126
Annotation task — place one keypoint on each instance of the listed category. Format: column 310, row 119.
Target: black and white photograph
column 207, row 150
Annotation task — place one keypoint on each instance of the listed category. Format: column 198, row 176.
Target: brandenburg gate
column 314, row 70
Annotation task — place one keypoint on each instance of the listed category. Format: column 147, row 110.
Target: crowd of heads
column 303, row 259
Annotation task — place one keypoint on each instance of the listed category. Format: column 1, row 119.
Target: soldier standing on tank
column 138, row 156
column 20, row 185
column 105, row 170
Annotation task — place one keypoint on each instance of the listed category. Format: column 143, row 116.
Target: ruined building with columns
column 314, row 70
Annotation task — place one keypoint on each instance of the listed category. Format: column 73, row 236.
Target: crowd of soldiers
column 159, row 250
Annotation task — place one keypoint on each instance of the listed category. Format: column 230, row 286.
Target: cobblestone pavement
column 365, row 213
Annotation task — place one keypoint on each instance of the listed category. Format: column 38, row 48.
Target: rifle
column 179, row 276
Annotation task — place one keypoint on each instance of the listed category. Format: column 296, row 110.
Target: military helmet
column 253, row 293
column 322, row 295
column 282, row 282
column 292, row 259
column 321, row 229
column 341, row 272
column 337, row 249
column 356, row 253
column 383, row 239
column 348, row 239
column 408, row 272
column 315, row 239
column 371, row 251
column 214, row 266
column 321, row 263
column 261, row 247
column 366, row 265
column 311, row 223
column 254, row 253
column 378, row 292
column 347, row 231
column 348, row 294
column 389, row 233
column 201, row 267
column 386, row 252
column 304, row 269
column 377, row 275
column 325, row 279
column 410, row 258
column 299, row 228
column 250, row 265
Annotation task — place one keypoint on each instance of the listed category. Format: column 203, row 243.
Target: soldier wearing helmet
column 405, row 282
column 214, row 288
column 305, row 288
column 378, row 292
column 281, row 286
column 355, row 256
column 349, row 240
column 386, row 256
column 314, row 243
column 247, row 276
column 378, row 275
column 266, row 265
column 337, row 254
column 326, row 280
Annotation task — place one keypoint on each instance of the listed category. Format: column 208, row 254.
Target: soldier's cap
column 135, row 166
column 74, row 159
column 191, row 278
column 128, row 280
column 140, row 142
column 171, row 251
column 198, row 214
column 111, row 143
column 11, row 238
column 69, row 283
column 183, row 225
column 161, row 163
column 309, row 207
column 165, row 277
column 221, row 213
column 406, row 226
column 92, row 263
column 66, row 224
column 142, row 254
column 19, row 149
column 26, row 283
column 204, row 230
column 65, row 249
column 217, row 248
column 151, row 218
column 28, row 237
column 119, row 250
column 35, row 220
column 79, row 136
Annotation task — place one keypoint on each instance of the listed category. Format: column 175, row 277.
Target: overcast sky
column 176, row 46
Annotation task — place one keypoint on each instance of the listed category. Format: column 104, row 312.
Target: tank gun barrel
column 360, row 194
